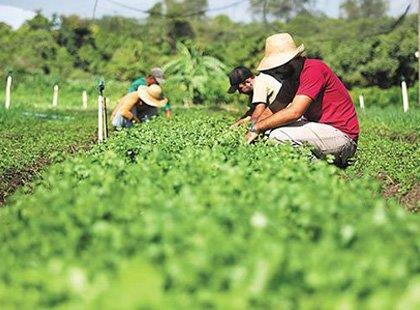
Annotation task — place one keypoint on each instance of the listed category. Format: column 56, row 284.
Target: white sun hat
column 279, row 49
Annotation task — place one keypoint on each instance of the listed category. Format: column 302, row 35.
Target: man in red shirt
column 321, row 113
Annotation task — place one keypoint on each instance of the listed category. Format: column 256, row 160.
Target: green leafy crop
column 181, row 213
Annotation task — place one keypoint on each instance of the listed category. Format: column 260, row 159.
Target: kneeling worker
column 156, row 76
column 138, row 106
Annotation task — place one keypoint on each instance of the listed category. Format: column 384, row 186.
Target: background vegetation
column 364, row 46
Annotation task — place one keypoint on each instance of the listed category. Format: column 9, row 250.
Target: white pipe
column 404, row 96
column 362, row 102
column 8, row 91
column 84, row 99
column 55, row 96
column 100, row 120
column 105, row 134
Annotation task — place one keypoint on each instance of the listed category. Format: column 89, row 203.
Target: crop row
column 181, row 213
column 389, row 150
column 30, row 138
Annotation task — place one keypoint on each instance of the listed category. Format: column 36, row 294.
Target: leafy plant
column 195, row 76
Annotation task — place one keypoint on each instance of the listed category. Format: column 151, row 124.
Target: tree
column 282, row 9
column 352, row 9
column 178, row 25
column 374, row 8
column 39, row 22
column 196, row 8
column 127, row 61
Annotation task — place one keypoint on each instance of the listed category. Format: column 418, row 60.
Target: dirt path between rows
column 13, row 179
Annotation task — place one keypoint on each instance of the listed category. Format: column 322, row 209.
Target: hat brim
column 273, row 61
column 147, row 99
column 232, row 89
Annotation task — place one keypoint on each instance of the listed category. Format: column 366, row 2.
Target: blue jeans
column 120, row 121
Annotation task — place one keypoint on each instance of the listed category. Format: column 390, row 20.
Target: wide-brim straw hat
column 280, row 48
column 152, row 95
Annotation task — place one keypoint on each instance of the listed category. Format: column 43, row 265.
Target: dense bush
column 182, row 214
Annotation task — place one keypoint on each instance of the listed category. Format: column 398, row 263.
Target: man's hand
column 250, row 137
column 240, row 122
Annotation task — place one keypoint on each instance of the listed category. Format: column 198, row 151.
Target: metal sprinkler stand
column 101, row 88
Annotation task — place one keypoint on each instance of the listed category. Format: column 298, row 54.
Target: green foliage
column 154, row 219
column 195, row 77
column 389, row 148
column 36, row 91
column 125, row 63
column 121, row 48
column 376, row 97
column 30, row 139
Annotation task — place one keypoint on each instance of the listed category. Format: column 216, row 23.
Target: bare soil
column 13, row 179
column 391, row 189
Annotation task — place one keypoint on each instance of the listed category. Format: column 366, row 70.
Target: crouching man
column 138, row 106
column 321, row 113
column 262, row 90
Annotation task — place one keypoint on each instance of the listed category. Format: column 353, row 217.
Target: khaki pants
column 324, row 139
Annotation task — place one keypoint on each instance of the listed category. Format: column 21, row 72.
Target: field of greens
column 32, row 138
column 181, row 213
column 389, row 152
column 34, row 134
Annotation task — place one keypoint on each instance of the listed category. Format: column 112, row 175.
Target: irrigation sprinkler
column 55, row 96
column 84, row 99
column 8, row 90
column 102, row 114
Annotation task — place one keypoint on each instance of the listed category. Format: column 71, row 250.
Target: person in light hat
column 156, row 76
column 138, row 106
column 320, row 113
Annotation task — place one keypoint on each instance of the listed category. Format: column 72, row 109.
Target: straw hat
column 152, row 95
column 279, row 49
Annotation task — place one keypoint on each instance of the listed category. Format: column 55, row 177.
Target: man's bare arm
column 289, row 114
column 259, row 109
column 267, row 113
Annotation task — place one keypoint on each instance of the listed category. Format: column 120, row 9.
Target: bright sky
column 238, row 12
